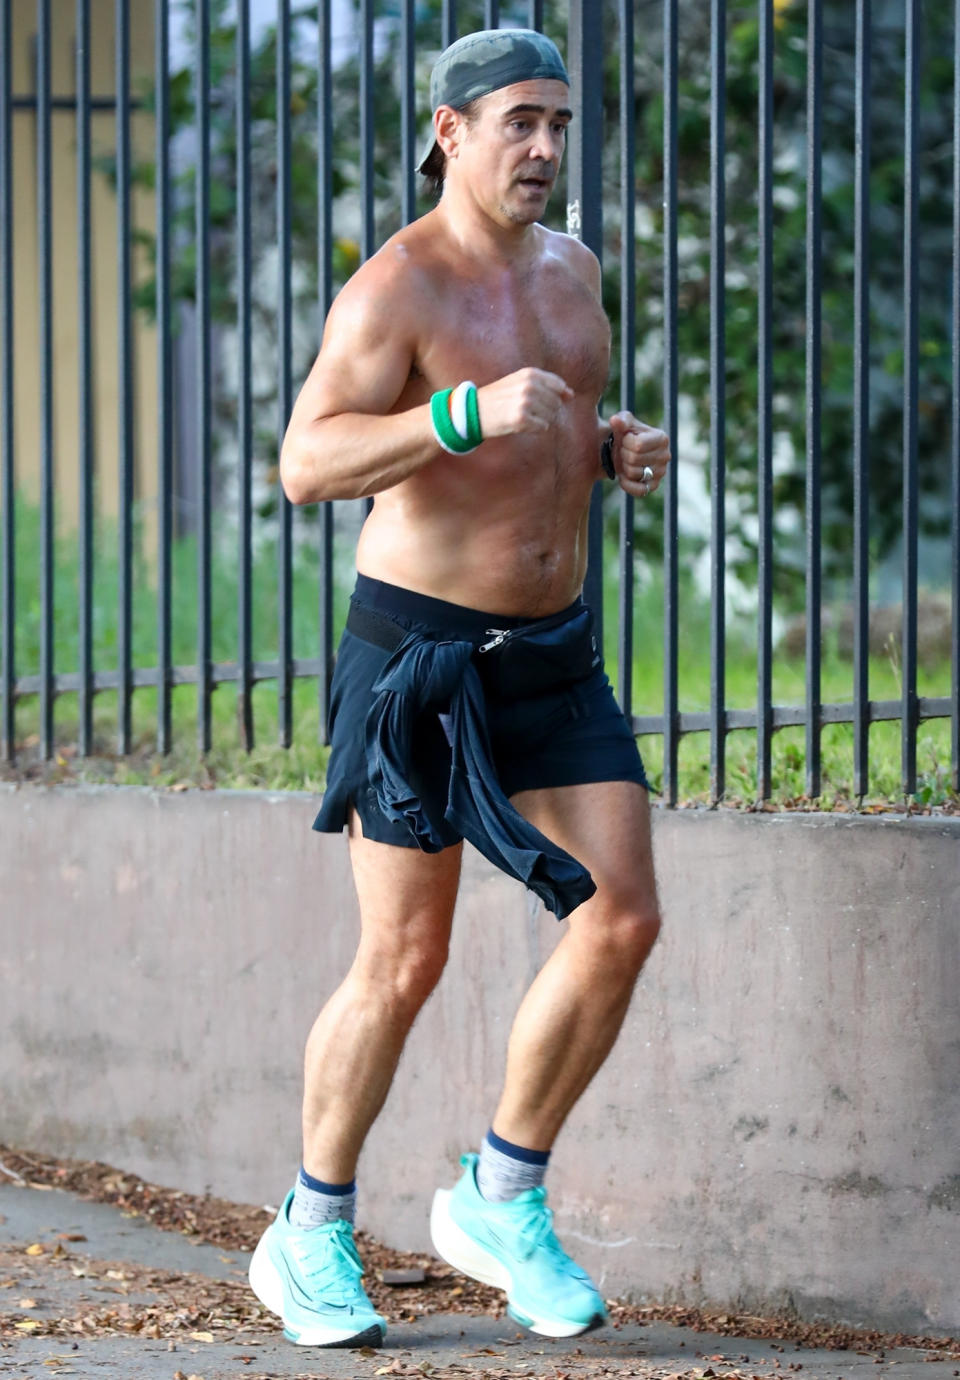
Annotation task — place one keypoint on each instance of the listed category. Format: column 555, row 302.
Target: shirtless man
column 478, row 532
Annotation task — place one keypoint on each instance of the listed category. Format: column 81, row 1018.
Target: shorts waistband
column 409, row 607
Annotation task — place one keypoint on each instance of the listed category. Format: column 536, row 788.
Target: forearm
column 354, row 454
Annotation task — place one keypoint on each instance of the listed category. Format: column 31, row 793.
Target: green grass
column 789, row 688
column 303, row 765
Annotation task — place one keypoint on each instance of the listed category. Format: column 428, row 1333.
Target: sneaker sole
column 464, row 1254
column 266, row 1283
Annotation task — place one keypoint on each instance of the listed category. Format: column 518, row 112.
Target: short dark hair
column 434, row 166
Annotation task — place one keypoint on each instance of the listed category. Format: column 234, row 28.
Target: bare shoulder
column 372, row 337
column 381, row 297
column 574, row 256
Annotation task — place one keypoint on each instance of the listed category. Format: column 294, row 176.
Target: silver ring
column 647, row 474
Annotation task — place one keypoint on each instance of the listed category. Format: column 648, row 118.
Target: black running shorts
column 566, row 737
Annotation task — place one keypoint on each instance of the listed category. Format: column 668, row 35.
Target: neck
column 483, row 236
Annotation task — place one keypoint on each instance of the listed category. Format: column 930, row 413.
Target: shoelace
column 331, row 1256
column 535, row 1230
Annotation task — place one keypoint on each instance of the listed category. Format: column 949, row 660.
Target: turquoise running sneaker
column 312, row 1280
column 512, row 1246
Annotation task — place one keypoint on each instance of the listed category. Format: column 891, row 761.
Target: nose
column 546, row 146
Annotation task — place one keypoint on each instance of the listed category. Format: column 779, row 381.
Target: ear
column 448, row 126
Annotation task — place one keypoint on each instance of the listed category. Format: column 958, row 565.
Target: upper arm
column 368, row 348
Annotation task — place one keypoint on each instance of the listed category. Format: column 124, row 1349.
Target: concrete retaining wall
column 780, row 1122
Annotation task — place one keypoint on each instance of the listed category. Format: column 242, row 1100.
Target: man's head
column 479, row 64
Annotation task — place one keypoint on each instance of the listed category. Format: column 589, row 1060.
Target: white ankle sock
column 316, row 1202
column 505, row 1170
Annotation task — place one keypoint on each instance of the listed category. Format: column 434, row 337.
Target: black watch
column 606, row 458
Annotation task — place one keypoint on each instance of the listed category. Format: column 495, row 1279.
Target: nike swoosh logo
column 292, row 1283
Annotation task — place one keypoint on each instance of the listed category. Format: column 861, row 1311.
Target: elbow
column 297, row 476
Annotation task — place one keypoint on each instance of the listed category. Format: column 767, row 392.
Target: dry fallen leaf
column 35, row 1249
column 26, row 1303
column 202, row 1336
column 28, row 1325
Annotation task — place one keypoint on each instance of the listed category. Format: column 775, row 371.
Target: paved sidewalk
column 96, row 1261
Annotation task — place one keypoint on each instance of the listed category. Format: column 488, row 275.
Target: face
column 511, row 152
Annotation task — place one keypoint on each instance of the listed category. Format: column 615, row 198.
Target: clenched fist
column 529, row 400
column 641, row 454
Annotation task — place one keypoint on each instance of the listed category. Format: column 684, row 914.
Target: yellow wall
column 105, row 296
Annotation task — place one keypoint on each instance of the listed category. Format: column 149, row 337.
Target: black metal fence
column 230, row 89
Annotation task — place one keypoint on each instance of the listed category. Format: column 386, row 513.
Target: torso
column 503, row 528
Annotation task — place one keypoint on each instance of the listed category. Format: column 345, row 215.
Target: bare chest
column 487, row 330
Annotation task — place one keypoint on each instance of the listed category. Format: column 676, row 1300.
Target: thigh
column 406, row 897
column 606, row 826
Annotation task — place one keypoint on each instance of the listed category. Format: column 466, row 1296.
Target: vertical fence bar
column 367, row 138
column 671, row 367
column 367, row 132
column 164, row 374
column 244, row 382
column 911, row 516
column 628, row 333
column 84, row 384
column 765, row 408
column 814, row 263
column 325, row 297
column 718, row 15
column 8, row 605
column 204, row 389
column 45, row 271
column 861, row 406
column 285, row 374
column 124, row 380
column 491, row 14
column 408, row 115
column 535, row 14
column 955, row 420
column 448, row 22
column 585, row 194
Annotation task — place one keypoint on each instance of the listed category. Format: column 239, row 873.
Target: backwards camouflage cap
column 487, row 60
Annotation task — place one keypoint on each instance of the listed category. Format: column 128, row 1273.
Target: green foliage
column 272, row 766
column 886, row 270
column 742, row 238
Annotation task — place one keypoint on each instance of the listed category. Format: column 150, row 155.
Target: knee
column 630, row 933
column 403, row 976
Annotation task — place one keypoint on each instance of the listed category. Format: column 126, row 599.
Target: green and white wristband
column 456, row 418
